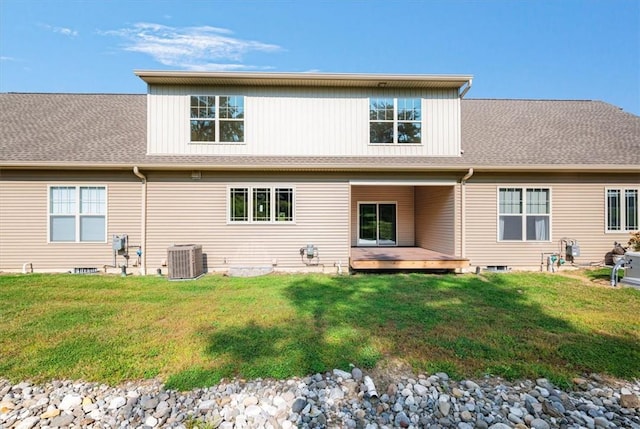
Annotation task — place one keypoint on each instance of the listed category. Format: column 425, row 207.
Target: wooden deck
column 403, row 258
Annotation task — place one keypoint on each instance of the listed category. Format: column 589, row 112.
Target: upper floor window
column 622, row 210
column 395, row 120
column 524, row 214
column 217, row 118
column 77, row 214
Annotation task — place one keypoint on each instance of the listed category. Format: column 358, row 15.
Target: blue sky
column 540, row 49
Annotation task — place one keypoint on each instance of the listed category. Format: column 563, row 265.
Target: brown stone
column 49, row 414
column 629, row 401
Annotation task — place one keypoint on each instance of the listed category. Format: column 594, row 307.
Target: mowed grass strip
column 111, row 329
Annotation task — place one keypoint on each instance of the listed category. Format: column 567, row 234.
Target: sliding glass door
column 377, row 224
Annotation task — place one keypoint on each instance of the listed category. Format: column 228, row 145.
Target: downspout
column 143, row 221
column 463, row 215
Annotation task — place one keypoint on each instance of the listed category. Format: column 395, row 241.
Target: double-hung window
column 217, row 118
column 622, row 210
column 261, row 204
column 77, row 214
column 395, row 120
column 524, row 214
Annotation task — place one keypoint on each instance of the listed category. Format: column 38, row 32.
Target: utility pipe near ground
column 143, row 221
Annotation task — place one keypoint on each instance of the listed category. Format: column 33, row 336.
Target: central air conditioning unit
column 184, row 261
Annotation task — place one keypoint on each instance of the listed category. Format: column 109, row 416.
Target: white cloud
column 192, row 48
column 61, row 30
column 2, row 58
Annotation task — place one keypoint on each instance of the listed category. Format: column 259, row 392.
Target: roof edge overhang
column 166, row 77
column 346, row 167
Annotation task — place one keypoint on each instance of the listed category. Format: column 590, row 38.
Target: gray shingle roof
column 110, row 130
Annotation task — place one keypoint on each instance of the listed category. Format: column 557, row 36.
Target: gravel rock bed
column 334, row 400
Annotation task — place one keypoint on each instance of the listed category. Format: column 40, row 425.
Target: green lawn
column 110, row 329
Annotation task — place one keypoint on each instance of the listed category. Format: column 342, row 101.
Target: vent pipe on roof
column 143, row 221
column 466, row 88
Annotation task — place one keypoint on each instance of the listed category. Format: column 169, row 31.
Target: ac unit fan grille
column 185, row 261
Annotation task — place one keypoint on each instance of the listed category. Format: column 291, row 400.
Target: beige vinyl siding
column 577, row 212
column 402, row 195
column 24, row 219
column 302, row 122
column 435, row 218
column 185, row 211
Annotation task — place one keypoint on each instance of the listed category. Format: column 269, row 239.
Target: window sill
column 260, row 223
column 395, row 144
column 219, row 143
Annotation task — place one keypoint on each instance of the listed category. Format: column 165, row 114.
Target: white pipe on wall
column 143, row 221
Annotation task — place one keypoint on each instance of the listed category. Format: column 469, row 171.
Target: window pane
column 62, row 228
column 631, row 214
column 409, row 132
column 409, row 109
column 203, row 131
column 261, row 204
column 232, row 131
column 510, row 201
column 203, row 107
column 92, row 228
column 239, row 205
column 92, row 200
column 538, row 228
column 381, row 132
column 62, row 200
column 381, row 109
column 537, row 201
column 232, row 107
column 284, row 205
column 510, row 228
column 613, row 210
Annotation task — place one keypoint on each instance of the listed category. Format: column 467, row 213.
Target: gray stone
column 539, row 424
column 601, row 422
column 343, row 374
column 444, row 405
column 356, row 373
column 420, row 390
column 69, row 402
column 63, row 420
column 442, row 376
column 117, row 402
column 298, row 405
column 402, row 420
column 27, row 423
column 499, row 426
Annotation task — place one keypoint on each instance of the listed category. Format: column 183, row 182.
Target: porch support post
column 463, row 216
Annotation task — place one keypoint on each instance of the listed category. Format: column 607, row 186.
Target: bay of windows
column 524, row 214
column 261, row 204
column 217, row 118
column 395, row 120
column 622, row 210
column 77, row 214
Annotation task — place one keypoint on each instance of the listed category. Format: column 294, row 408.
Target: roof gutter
column 143, row 220
column 564, row 168
column 466, row 88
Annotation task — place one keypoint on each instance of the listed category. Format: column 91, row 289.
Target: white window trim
column 395, row 123
column 77, row 213
column 272, row 204
column 377, row 203
column 217, row 141
column 623, row 213
column 524, row 214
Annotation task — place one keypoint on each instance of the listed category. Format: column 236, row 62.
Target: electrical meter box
column 573, row 250
column 119, row 242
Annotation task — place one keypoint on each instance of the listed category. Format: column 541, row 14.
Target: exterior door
column 377, row 224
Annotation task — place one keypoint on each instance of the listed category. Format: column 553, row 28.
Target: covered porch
column 406, row 224
column 403, row 258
